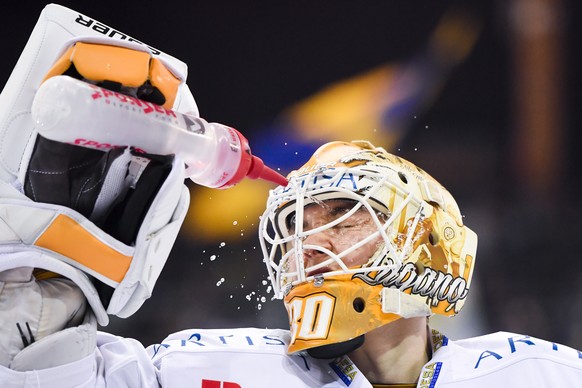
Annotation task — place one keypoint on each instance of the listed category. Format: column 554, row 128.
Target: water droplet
column 263, row 299
column 222, row 244
column 265, row 282
column 213, row 257
column 259, row 306
column 235, row 222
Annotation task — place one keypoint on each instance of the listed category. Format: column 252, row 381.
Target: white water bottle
column 72, row 111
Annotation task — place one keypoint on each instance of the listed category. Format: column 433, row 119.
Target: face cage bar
column 275, row 271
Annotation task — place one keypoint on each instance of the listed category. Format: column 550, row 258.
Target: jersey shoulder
column 502, row 357
column 239, row 339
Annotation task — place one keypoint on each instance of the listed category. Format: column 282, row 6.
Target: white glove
column 31, row 310
column 127, row 211
column 105, row 222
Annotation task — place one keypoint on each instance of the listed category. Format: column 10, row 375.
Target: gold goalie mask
column 358, row 239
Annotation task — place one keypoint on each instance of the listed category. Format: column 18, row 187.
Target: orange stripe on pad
column 69, row 238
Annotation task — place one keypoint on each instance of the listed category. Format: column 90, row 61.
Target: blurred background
column 484, row 95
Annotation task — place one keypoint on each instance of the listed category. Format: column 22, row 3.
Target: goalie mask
column 358, row 239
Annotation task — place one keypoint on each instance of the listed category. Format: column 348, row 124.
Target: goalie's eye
column 290, row 222
column 331, row 210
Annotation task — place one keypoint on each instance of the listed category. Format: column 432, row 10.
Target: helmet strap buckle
column 397, row 302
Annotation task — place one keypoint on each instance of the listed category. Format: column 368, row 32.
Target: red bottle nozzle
column 259, row 170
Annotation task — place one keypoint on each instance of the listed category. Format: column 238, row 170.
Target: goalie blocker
column 105, row 220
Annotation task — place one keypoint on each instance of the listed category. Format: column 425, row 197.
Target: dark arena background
column 485, row 96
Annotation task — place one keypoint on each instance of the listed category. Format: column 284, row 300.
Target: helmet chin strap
column 337, row 349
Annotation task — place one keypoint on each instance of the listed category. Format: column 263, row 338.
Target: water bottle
column 76, row 112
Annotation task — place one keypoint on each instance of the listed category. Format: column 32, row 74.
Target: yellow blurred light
column 226, row 214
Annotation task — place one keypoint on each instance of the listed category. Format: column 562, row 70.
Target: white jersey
column 501, row 360
column 256, row 358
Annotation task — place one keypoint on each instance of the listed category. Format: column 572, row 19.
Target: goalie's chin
column 337, row 349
